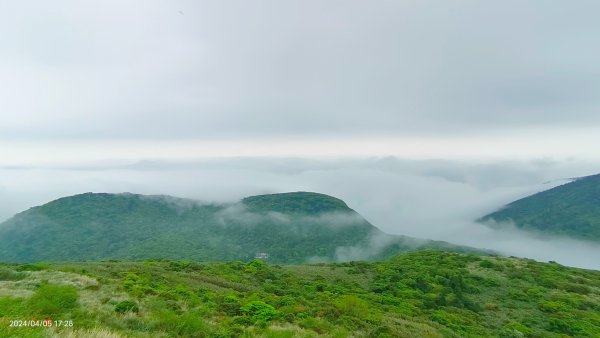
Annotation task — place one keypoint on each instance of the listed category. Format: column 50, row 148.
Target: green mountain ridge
column 571, row 209
column 290, row 227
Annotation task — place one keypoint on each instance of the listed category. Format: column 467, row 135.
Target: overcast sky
column 403, row 77
column 422, row 115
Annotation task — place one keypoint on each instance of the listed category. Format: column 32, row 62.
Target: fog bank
column 434, row 199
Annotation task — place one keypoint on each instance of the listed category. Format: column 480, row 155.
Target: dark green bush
column 8, row 274
column 126, row 306
column 32, row 267
column 50, row 299
column 561, row 326
column 230, row 304
column 576, row 288
column 259, row 311
column 487, row 264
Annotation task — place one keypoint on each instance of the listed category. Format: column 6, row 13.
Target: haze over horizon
column 421, row 115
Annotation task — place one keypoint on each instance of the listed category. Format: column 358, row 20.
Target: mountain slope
column 572, row 209
column 290, row 227
column 418, row 294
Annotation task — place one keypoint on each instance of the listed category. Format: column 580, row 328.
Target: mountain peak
column 296, row 202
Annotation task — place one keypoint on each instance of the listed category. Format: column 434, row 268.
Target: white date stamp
column 41, row 323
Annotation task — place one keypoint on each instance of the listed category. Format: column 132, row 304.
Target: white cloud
column 436, row 199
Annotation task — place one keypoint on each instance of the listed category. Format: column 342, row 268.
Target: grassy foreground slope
column 418, row 294
column 572, row 209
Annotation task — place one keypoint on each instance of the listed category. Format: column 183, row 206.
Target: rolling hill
column 572, row 209
column 289, row 228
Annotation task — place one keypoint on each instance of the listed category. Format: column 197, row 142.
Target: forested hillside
column 290, row 228
column 572, row 209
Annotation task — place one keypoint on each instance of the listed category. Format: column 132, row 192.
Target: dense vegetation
column 418, row 294
column 572, row 209
column 291, row 228
column 295, row 202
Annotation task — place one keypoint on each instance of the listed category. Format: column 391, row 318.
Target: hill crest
column 571, row 209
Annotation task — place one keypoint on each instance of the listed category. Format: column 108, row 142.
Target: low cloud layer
column 427, row 199
column 239, row 214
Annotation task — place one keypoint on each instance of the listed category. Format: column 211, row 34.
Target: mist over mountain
column 290, row 227
column 572, row 210
column 437, row 200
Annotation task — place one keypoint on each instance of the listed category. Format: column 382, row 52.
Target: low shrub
column 8, row 274
column 259, row 311
column 126, row 306
column 50, row 299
